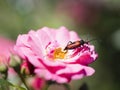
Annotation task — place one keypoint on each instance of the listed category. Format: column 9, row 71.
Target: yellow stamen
column 59, row 54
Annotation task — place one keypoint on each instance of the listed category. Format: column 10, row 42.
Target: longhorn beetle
column 76, row 44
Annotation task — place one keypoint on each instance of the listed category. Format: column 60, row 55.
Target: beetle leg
column 70, row 42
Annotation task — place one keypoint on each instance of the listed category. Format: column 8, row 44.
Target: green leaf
column 5, row 85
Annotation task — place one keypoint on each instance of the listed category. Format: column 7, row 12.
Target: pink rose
column 6, row 49
column 36, row 83
column 44, row 49
column 27, row 68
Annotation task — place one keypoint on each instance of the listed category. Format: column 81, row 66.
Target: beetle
column 73, row 45
column 76, row 44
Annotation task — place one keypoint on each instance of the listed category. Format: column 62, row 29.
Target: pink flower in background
column 6, row 49
column 12, row 76
column 81, row 11
column 36, row 83
column 44, row 49
column 27, row 68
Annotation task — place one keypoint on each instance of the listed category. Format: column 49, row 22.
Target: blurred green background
column 91, row 19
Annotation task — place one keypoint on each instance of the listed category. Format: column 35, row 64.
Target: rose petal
column 62, row 36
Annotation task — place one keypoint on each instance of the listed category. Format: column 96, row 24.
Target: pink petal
column 36, row 42
column 50, row 76
column 89, row 71
column 22, row 40
column 62, row 36
column 74, row 36
column 85, row 59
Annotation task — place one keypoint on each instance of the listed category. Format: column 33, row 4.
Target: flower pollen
column 59, row 54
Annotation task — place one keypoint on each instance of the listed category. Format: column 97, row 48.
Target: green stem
column 66, row 86
column 46, row 87
column 17, row 69
column 23, row 80
column 48, row 83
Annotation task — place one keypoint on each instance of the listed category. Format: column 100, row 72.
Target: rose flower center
column 59, row 54
column 55, row 52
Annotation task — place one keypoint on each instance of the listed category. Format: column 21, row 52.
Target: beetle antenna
column 92, row 40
